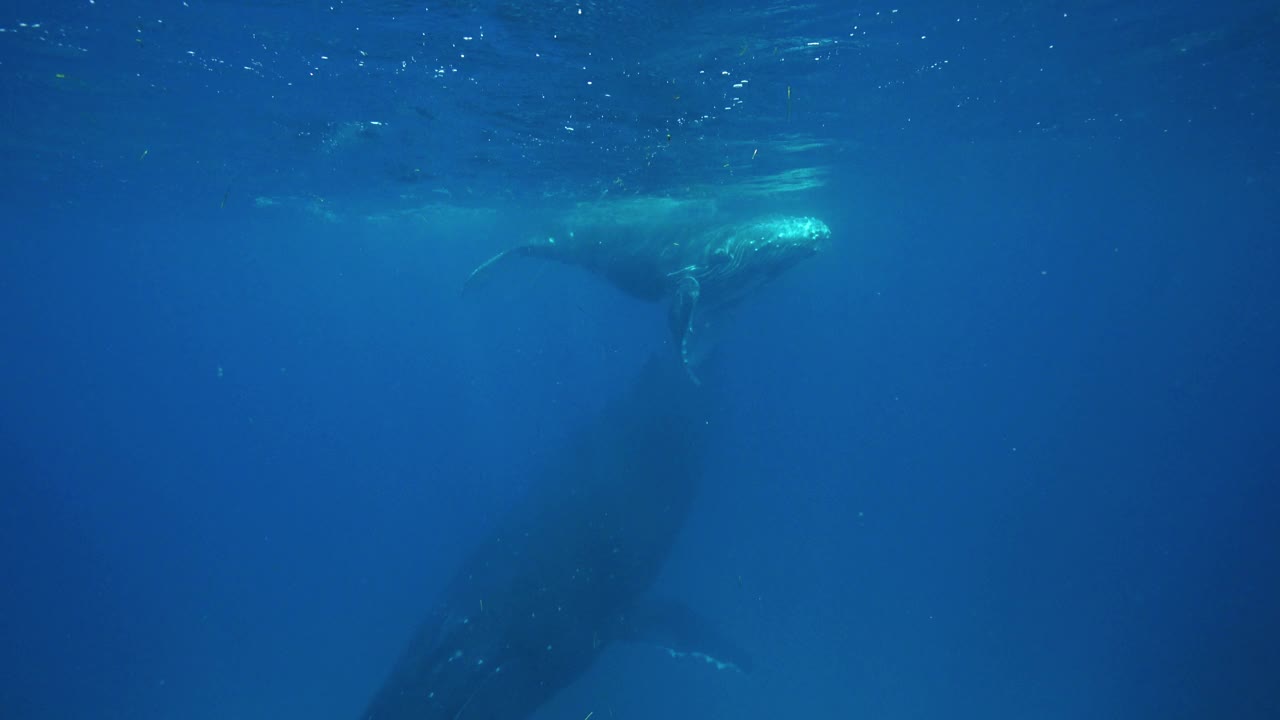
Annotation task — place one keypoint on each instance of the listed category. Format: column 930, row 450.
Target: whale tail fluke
column 485, row 268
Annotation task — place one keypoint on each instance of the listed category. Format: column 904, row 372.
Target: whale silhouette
column 568, row 572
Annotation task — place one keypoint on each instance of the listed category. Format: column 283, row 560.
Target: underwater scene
column 629, row 359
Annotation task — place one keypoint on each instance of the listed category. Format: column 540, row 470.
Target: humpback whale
column 568, row 572
column 696, row 266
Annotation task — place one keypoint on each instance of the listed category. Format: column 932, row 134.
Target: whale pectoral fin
column 485, row 267
column 675, row 628
column 683, row 305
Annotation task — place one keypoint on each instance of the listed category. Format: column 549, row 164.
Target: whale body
column 697, row 268
column 568, row 572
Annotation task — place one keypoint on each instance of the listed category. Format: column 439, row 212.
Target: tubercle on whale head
column 785, row 239
column 803, row 231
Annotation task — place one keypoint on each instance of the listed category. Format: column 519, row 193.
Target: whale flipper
column 675, row 628
column 683, row 304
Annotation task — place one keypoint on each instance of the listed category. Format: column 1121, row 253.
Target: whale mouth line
column 479, row 686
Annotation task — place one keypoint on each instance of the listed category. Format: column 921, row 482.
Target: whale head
column 455, row 667
column 743, row 257
column 792, row 236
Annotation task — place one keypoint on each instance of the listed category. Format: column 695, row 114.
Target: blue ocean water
column 1008, row 449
